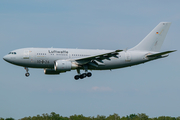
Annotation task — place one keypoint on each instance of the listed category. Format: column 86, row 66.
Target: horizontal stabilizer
column 160, row 54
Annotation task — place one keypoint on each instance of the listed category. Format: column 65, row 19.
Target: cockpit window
column 12, row 53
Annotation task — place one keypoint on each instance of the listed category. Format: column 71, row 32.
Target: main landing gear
column 26, row 74
column 81, row 76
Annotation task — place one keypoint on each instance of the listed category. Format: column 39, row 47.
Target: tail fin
column 154, row 40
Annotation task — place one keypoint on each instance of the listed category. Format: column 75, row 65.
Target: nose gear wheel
column 27, row 73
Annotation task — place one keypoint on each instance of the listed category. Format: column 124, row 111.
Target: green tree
column 102, row 117
column 26, row 118
column 78, row 117
column 178, row 118
column 113, row 117
column 9, row 119
column 54, row 116
column 166, row 118
column 154, row 118
column 132, row 116
column 124, row 118
column 45, row 116
column 143, row 116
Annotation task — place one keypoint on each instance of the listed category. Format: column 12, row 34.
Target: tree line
column 54, row 116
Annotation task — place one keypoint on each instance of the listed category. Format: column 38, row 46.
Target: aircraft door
column 127, row 56
column 31, row 56
column 70, row 56
column 26, row 54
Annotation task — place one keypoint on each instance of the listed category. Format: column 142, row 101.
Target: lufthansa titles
column 56, row 51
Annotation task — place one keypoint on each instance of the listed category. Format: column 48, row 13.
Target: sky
column 151, row 88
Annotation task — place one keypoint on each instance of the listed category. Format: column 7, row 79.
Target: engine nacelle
column 50, row 72
column 64, row 65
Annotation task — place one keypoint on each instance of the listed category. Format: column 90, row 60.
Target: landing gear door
column 26, row 54
column 127, row 56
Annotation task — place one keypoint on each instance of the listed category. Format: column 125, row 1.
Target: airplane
column 59, row 60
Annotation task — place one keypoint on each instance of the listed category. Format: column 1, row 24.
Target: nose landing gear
column 26, row 74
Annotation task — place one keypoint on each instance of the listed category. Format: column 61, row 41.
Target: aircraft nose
column 6, row 58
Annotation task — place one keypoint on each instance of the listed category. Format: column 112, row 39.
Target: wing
column 93, row 60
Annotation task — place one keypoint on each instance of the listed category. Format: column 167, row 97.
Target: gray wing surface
column 91, row 59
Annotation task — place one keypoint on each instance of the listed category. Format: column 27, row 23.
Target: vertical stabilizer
column 154, row 40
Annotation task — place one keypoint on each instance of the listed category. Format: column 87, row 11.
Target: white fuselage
column 45, row 57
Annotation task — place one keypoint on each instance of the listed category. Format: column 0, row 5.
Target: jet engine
column 50, row 72
column 64, row 65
